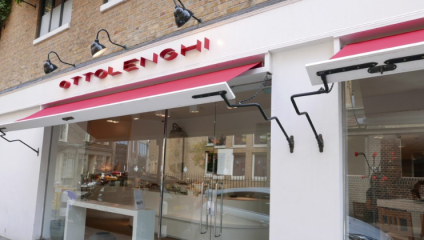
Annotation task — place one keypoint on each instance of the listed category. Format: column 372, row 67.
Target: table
column 143, row 220
column 416, row 208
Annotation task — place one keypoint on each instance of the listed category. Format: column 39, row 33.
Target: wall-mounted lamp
column 50, row 67
column 98, row 49
column 194, row 109
column 182, row 14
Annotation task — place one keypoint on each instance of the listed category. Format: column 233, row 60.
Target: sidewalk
column 2, row 238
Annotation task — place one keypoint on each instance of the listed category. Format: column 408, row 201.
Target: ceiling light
column 232, row 102
column 50, row 67
column 160, row 113
column 98, row 49
column 182, row 15
column 194, row 109
column 136, row 117
column 113, row 120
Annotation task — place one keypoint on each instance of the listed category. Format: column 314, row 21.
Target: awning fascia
column 167, row 95
column 353, row 67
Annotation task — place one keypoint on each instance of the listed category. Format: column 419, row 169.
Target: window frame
column 255, row 178
column 238, row 145
column 239, row 178
column 41, row 14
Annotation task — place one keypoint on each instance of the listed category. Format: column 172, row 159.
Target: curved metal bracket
column 290, row 139
column 48, row 58
column 323, row 75
column 319, row 138
column 34, row 5
column 108, row 36
column 4, row 134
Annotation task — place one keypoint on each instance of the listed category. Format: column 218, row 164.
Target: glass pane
column 260, row 165
column 45, row 19
column 239, row 139
column 385, row 133
column 190, row 162
column 246, row 198
column 107, row 171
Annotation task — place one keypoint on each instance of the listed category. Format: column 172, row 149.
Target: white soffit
column 147, row 104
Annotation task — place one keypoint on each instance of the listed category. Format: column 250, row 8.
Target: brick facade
column 131, row 23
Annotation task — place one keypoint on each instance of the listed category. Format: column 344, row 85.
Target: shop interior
column 385, row 147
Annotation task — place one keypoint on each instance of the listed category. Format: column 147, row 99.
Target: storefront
column 161, row 142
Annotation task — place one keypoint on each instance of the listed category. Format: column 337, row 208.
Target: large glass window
column 385, row 170
column 177, row 173
column 55, row 13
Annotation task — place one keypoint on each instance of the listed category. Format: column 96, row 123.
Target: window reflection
column 384, row 156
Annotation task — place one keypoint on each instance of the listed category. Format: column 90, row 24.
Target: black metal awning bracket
column 318, row 137
column 3, row 134
column 290, row 139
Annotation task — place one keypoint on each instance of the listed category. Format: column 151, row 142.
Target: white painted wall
column 307, row 186
column 19, row 172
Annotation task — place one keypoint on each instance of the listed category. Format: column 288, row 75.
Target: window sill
column 259, row 179
column 238, row 146
column 260, row 145
column 237, row 178
column 51, row 34
column 110, row 4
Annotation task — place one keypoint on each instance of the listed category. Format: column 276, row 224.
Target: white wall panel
column 306, row 186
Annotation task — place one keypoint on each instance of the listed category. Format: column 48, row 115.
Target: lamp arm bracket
column 290, row 139
column 34, row 5
column 3, row 134
column 108, row 36
column 48, row 57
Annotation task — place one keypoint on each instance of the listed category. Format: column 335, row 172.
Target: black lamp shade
column 49, row 67
column 182, row 15
column 97, row 49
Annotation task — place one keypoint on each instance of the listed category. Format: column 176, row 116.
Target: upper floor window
column 56, row 13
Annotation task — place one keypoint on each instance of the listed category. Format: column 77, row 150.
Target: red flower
column 374, row 177
column 356, row 154
column 374, row 154
column 384, row 178
column 363, row 176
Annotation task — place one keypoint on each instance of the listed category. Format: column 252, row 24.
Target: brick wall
column 131, row 23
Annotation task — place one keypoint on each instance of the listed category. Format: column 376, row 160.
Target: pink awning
column 381, row 43
column 375, row 52
column 166, row 95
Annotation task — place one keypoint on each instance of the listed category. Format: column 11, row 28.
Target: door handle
column 201, row 208
column 222, row 207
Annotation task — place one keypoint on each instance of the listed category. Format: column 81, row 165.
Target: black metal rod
column 108, row 36
column 4, row 134
column 48, row 57
column 290, row 139
column 35, row 6
column 320, row 91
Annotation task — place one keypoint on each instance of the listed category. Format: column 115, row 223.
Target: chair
column 359, row 210
column 397, row 224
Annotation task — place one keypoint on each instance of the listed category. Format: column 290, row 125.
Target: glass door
column 189, row 173
column 217, row 177
column 242, row 185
